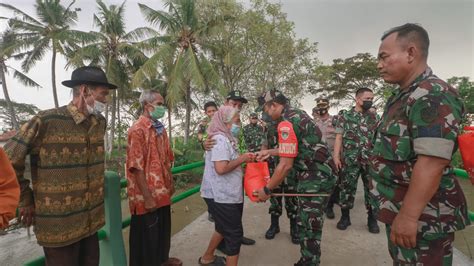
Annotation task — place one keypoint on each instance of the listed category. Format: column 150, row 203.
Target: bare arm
column 142, row 185
column 337, row 151
column 224, row 167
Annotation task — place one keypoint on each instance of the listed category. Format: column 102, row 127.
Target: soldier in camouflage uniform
column 324, row 121
column 300, row 146
column 415, row 191
column 253, row 134
column 287, row 186
column 354, row 131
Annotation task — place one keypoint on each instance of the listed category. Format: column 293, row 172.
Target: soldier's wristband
column 267, row 191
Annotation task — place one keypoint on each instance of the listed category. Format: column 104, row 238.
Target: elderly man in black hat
column 66, row 148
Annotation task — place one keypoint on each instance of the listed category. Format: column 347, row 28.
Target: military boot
column 345, row 220
column 330, row 212
column 274, row 227
column 372, row 223
column 294, row 231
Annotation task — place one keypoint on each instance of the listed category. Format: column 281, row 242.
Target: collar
column 145, row 121
column 424, row 75
column 78, row 116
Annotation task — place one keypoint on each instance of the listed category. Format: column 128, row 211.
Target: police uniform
column 423, row 119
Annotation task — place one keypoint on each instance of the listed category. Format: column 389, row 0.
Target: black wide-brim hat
column 89, row 75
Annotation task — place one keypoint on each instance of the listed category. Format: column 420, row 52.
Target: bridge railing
column 112, row 248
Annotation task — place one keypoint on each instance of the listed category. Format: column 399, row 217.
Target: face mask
column 158, row 112
column 235, row 130
column 99, row 107
column 90, row 109
column 322, row 111
column 366, row 105
column 266, row 118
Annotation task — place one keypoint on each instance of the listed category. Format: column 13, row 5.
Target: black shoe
column 274, row 227
column 247, row 241
column 330, row 213
column 294, row 231
column 372, row 224
column 345, row 220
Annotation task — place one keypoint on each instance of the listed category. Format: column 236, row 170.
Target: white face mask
column 96, row 109
column 99, row 107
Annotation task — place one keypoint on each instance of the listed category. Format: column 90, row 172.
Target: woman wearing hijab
column 222, row 187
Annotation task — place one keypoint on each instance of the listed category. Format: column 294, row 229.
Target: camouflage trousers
column 348, row 185
column 310, row 217
column 291, row 203
column 431, row 249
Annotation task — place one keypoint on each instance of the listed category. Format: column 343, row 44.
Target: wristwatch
column 267, row 191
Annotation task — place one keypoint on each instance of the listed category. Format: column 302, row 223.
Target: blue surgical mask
column 235, row 130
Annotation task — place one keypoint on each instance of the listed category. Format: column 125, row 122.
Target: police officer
column 253, row 134
column 415, row 191
column 354, row 131
column 270, row 141
column 300, row 146
column 324, row 121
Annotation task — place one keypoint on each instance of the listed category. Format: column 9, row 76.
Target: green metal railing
column 112, row 249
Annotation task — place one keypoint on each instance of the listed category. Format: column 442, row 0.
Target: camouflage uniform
column 421, row 120
column 287, row 186
column 314, row 173
column 202, row 129
column 253, row 135
column 357, row 132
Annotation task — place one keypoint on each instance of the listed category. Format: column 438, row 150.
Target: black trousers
column 150, row 237
column 84, row 252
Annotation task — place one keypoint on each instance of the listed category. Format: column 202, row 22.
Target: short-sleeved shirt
column 423, row 119
column 149, row 152
column 357, row 129
column 226, row 188
column 327, row 129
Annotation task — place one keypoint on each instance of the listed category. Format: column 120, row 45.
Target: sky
column 342, row 29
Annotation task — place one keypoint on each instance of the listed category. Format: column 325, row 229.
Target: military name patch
column 287, row 148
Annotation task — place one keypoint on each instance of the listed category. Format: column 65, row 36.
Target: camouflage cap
column 236, row 95
column 270, row 95
column 322, row 103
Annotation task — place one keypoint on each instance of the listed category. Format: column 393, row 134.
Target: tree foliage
column 341, row 80
column 466, row 91
column 23, row 112
column 50, row 31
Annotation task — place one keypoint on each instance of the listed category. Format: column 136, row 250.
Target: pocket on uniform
column 394, row 143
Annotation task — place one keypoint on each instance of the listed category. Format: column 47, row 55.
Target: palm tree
column 180, row 53
column 51, row 32
column 115, row 50
column 8, row 50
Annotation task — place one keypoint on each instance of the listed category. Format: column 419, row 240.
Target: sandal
column 218, row 261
